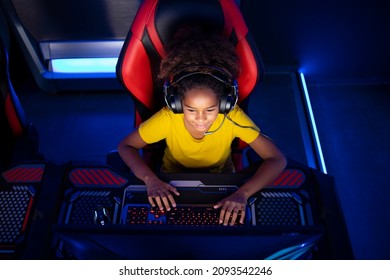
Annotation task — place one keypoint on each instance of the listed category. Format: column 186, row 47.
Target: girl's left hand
column 232, row 209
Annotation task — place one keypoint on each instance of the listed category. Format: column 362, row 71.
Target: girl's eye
column 210, row 110
column 190, row 110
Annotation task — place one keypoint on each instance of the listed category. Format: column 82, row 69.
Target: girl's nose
column 200, row 116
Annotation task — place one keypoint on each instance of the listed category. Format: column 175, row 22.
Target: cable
column 242, row 126
column 237, row 124
column 215, row 130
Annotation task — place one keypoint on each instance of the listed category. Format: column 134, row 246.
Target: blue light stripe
column 84, row 65
column 313, row 124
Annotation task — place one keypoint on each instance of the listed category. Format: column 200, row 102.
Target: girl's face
column 200, row 108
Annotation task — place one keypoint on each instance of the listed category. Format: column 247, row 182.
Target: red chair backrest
column 154, row 26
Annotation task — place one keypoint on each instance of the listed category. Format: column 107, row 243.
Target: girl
column 199, row 123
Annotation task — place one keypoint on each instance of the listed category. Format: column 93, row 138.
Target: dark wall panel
column 331, row 41
column 76, row 20
column 335, row 41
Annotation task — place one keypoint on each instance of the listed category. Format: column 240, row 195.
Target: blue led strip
column 313, row 125
column 84, row 66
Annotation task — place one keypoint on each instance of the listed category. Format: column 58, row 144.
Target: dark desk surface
column 59, row 180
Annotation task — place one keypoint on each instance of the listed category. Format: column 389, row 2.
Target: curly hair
column 192, row 49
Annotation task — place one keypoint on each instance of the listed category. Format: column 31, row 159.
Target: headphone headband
column 216, row 72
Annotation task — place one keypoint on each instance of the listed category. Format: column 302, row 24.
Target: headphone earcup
column 224, row 107
column 176, row 104
column 171, row 99
column 229, row 100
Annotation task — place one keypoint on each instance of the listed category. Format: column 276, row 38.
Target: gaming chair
column 19, row 138
column 154, row 26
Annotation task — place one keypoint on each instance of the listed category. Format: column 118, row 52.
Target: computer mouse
column 101, row 216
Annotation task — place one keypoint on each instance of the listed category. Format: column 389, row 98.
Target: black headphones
column 227, row 101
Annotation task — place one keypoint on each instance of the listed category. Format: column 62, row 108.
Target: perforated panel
column 15, row 206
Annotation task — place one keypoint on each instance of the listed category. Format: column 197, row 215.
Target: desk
column 103, row 184
column 78, row 187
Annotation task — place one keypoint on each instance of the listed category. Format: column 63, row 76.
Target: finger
column 172, row 200
column 242, row 216
column 151, row 201
column 174, row 190
column 222, row 215
column 234, row 217
column 159, row 203
column 227, row 217
column 166, row 202
column 218, row 205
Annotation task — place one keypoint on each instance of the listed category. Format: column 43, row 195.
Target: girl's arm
column 158, row 191
column 274, row 163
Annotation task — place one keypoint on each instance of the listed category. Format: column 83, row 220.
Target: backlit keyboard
column 183, row 215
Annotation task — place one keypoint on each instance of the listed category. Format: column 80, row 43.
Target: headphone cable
column 215, row 130
column 237, row 124
column 242, row 126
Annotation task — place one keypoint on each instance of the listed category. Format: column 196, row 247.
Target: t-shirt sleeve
column 244, row 127
column 155, row 128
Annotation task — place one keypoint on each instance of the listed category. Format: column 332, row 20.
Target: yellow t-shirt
column 211, row 152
